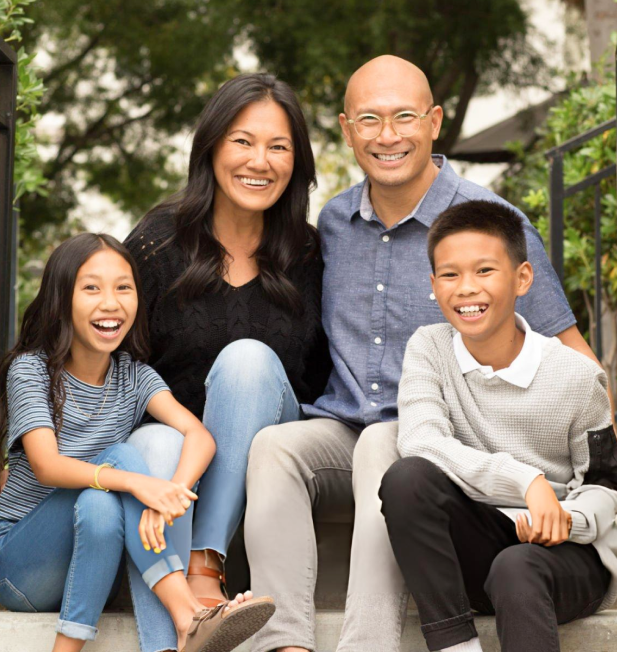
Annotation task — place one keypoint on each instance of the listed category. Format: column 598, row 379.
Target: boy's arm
column 593, row 447
column 572, row 337
column 425, row 430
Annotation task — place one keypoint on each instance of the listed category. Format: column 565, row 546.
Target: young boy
column 495, row 417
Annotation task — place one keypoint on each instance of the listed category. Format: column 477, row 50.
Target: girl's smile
column 108, row 328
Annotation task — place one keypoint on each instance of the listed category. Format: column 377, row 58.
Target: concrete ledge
column 35, row 633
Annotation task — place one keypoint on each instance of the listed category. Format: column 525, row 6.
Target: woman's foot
column 206, row 577
column 220, row 628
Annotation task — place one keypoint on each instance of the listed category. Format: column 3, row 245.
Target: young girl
column 71, row 392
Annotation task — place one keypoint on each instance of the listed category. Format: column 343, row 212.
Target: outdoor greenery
column 28, row 171
column 28, row 174
column 125, row 76
column 526, row 185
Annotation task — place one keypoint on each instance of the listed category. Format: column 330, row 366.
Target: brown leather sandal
column 218, row 630
column 210, row 603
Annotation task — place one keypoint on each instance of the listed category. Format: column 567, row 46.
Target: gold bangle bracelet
column 96, row 484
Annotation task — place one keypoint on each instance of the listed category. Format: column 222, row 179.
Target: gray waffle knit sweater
column 493, row 438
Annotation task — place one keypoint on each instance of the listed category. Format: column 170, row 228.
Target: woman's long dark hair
column 47, row 326
column 287, row 237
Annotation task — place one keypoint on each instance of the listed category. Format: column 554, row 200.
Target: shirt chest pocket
column 422, row 308
column 408, row 309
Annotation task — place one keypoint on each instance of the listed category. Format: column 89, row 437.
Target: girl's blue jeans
column 67, row 552
column 246, row 390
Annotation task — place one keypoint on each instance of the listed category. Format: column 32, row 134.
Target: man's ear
column 433, row 282
column 342, row 120
column 436, row 120
column 525, row 278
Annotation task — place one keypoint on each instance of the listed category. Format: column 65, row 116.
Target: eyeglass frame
column 389, row 119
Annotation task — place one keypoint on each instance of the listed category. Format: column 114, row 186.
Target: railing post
column 556, row 213
column 598, row 269
column 8, row 218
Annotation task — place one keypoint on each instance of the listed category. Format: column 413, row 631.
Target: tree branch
column 94, row 131
column 470, row 82
column 56, row 72
column 442, row 88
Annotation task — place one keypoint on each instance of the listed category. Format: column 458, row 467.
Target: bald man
column 376, row 293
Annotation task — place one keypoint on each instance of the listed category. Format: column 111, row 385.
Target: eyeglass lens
column 370, row 126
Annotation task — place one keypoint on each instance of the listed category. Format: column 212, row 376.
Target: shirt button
column 373, row 404
column 386, row 238
column 377, row 340
column 379, row 287
column 431, row 296
column 374, row 386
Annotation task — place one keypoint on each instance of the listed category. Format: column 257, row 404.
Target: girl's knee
column 100, row 514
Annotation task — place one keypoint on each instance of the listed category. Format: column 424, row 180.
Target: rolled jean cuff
column 76, row 630
column 452, row 631
column 163, row 567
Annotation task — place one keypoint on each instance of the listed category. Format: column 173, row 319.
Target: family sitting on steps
column 412, row 364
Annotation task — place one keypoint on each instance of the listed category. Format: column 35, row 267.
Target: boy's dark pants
column 457, row 555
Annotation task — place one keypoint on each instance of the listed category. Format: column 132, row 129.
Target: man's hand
column 550, row 524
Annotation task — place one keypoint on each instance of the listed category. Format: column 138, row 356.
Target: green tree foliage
column 28, row 176
column 464, row 47
column 526, row 185
column 125, row 75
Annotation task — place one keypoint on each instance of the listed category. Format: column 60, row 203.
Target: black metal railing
column 559, row 192
column 8, row 219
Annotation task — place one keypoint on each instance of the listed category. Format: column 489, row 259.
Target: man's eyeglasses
column 405, row 124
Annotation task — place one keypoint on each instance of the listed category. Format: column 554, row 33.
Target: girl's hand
column 151, row 528
column 168, row 498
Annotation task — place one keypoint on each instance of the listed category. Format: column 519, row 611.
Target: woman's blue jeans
column 246, row 390
column 67, row 552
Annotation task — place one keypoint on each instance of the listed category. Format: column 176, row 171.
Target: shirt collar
column 437, row 198
column 524, row 367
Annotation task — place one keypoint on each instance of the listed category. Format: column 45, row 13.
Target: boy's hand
column 550, row 524
column 151, row 527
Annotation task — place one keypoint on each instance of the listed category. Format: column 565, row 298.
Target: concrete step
column 35, row 633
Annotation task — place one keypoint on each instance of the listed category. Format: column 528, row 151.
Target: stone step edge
column 34, row 632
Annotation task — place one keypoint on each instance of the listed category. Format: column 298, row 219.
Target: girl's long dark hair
column 47, row 326
column 287, row 237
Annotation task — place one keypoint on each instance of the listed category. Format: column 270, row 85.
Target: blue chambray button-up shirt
column 377, row 292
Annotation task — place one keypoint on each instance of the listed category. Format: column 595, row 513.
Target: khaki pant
column 318, row 469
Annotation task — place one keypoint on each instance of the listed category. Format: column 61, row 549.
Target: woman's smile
column 253, row 183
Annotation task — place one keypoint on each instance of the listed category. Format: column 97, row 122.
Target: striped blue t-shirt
column 127, row 390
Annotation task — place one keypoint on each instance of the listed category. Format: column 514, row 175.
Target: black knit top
column 185, row 340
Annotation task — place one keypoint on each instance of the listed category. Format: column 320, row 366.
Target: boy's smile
column 476, row 284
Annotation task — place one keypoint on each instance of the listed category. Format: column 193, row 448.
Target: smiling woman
column 232, row 278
